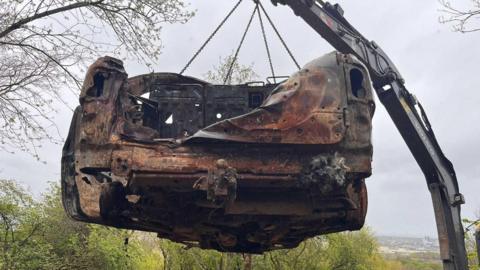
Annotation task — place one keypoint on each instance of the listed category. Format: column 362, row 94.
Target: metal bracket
column 220, row 184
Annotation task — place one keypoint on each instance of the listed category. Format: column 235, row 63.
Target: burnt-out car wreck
column 238, row 168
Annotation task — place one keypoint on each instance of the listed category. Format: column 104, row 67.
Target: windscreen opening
column 356, row 82
column 180, row 110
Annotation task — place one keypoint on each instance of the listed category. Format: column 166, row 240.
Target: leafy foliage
column 238, row 74
column 351, row 250
column 472, row 226
column 19, row 222
column 415, row 261
column 36, row 234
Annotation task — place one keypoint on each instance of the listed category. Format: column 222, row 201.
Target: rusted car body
column 242, row 168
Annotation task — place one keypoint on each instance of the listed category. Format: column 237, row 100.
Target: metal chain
column 210, row 37
column 279, row 36
column 228, row 78
column 266, row 45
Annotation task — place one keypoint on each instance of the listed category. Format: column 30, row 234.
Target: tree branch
column 44, row 14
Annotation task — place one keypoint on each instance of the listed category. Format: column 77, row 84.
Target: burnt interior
column 181, row 109
column 356, row 82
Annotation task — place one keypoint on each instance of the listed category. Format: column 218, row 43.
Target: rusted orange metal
column 266, row 178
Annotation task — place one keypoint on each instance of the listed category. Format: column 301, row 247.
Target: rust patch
column 235, row 168
column 317, row 79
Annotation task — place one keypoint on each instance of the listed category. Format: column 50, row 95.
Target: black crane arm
column 329, row 22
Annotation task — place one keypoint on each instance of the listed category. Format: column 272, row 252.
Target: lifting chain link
column 258, row 6
column 210, row 37
column 266, row 46
column 228, row 77
column 279, row 36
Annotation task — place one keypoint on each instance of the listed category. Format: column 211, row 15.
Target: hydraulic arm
column 406, row 113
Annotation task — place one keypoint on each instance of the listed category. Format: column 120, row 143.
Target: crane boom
column 413, row 124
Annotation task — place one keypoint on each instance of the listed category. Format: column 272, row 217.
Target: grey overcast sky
column 440, row 68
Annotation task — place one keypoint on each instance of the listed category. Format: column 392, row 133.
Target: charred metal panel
column 306, row 109
column 180, row 109
column 241, row 168
column 184, row 108
column 226, row 101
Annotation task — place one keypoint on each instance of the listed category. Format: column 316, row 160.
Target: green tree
column 38, row 235
column 470, row 243
column 19, row 226
column 349, row 250
column 236, row 72
column 352, row 251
